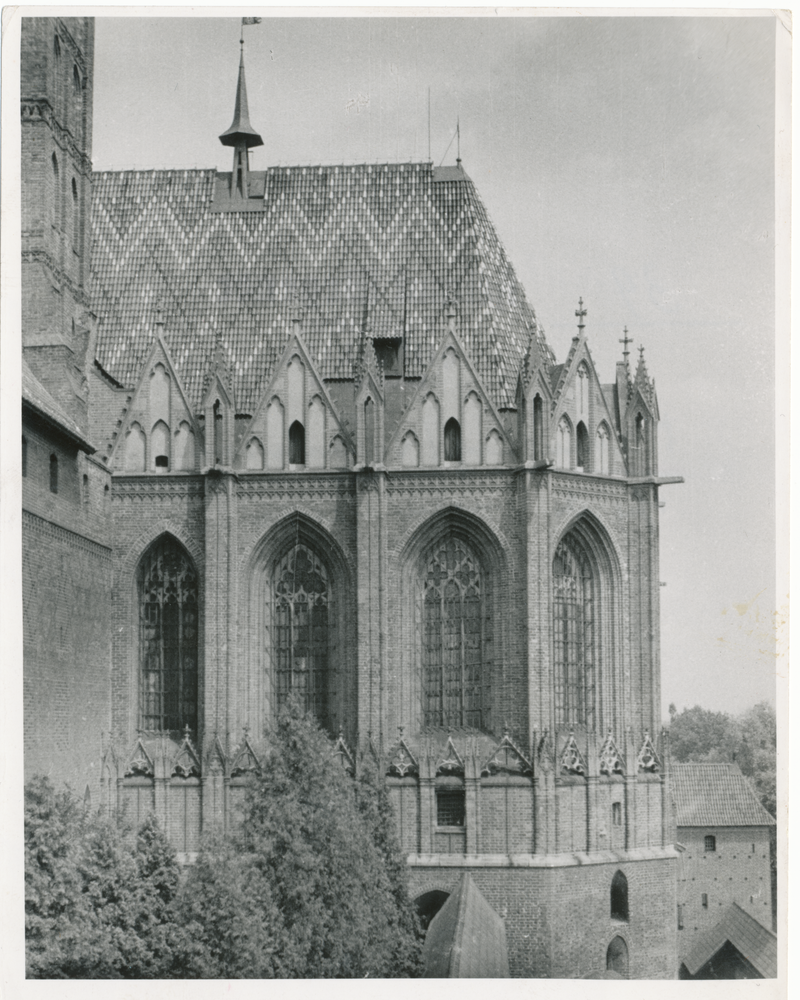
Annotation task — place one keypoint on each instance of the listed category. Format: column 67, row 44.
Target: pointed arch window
column 619, row 897
column 582, row 446
column 617, row 957
column 452, row 441
column 303, row 632
column 168, row 631
column 574, row 633
column 297, row 444
column 538, row 428
column 456, row 645
column 583, row 391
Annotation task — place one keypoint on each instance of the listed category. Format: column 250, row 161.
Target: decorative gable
column 296, row 424
column 451, row 420
column 159, row 432
column 583, row 433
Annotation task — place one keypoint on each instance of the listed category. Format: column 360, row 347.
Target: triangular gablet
column 186, row 763
column 140, row 764
column 507, row 759
column 611, row 761
column 295, row 394
column 159, row 399
column 571, row 759
column 647, row 759
column 402, row 761
column 245, row 760
column 452, row 762
column 451, row 389
column 342, row 751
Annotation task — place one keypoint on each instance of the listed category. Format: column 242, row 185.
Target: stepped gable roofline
column 321, row 230
column 708, row 795
column 757, row 944
column 38, row 400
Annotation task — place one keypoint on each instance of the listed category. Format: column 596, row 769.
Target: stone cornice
column 38, row 109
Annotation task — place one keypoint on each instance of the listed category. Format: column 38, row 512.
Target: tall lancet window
column 574, row 634
column 456, row 643
column 303, row 633
column 168, row 629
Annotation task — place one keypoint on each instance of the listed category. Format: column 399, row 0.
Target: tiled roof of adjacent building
column 466, row 939
column 37, row 397
column 400, row 237
column 715, row 795
column 754, row 942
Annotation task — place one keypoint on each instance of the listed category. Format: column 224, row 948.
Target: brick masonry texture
column 370, row 252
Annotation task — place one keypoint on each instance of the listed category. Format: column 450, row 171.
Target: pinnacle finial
column 625, row 341
column 581, row 313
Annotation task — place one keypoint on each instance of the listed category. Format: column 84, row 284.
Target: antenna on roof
column 458, row 145
column 429, row 124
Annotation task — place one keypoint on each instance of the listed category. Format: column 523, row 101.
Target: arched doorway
column 428, row 905
column 617, row 957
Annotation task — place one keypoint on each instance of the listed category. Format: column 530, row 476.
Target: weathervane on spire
column 581, row 313
column 625, row 341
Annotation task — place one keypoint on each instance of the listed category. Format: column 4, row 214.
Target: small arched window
column 219, row 451
column 619, row 897
column 56, row 47
column 538, row 429
column 452, row 441
column 168, row 629
column 582, row 445
column 159, row 441
column 56, row 192
column 710, row 843
column 75, row 214
column 583, row 391
column 297, row 444
column 85, row 488
column 54, row 474
column 369, row 432
column 24, row 455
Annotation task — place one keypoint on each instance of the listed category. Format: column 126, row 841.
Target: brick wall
column 738, row 871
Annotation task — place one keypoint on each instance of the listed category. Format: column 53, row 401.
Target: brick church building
column 299, row 430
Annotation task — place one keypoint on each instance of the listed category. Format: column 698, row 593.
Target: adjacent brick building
column 724, row 849
column 345, row 463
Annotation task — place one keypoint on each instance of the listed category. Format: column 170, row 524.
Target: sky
column 627, row 160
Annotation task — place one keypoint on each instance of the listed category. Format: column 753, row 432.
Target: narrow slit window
column 24, row 455
column 619, row 897
column 704, row 900
column 616, row 813
column 297, row 444
column 54, row 474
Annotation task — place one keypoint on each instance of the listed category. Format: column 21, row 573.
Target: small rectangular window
column 680, row 916
column 450, row 807
column 616, row 813
column 704, row 900
column 710, row 843
column 53, row 474
column 25, row 473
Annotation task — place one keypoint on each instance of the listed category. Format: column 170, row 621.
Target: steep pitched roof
column 715, row 795
column 329, row 236
column 466, row 938
column 757, row 944
column 39, row 399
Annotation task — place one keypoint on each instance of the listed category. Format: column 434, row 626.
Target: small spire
column 241, row 131
column 625, row 341
column 581, row 313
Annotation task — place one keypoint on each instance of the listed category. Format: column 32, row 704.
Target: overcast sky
column 627, row 160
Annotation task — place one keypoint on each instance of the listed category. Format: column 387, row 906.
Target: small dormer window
column 297, row 444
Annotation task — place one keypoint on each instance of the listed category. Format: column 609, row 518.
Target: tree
column 94, row 908
column 312, row 884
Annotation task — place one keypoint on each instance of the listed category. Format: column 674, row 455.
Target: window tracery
column 168, row 630
column 303, row 632
column 456, row 637
column 574, row 634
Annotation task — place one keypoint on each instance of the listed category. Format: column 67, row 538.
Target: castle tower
column 56, row 92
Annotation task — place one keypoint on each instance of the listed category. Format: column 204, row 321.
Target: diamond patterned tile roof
column 716, row 795
column 755, row 942
column 399, row 236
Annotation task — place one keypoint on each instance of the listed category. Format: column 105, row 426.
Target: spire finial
column 625, row 341
column 241, row 132
column 581, row 313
